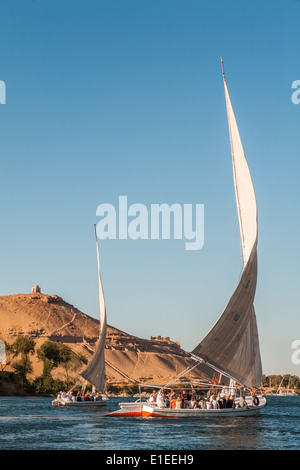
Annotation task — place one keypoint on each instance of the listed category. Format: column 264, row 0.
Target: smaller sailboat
column 94, row 373
column 285, row 392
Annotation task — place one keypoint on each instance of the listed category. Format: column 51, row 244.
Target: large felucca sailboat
column 231, row 347
column 94, row 373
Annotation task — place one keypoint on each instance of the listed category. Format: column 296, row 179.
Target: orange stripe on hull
column 128, row 414
column 144, row 414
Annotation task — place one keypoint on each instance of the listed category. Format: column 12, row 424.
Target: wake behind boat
column 231, row 347
column 94, row 373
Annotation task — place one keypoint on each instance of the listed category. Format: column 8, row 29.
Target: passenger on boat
column 153, row 397
column 193, row 403
column 243, row 403
column 173, row 402
column 229, row 402
column 222, row 402
column 179, row 402
column 167, row 399
column 232, row 398
column 202, row 401
column 79, row 397
column 160, row 399
column 183, row 397
column 65, row 396
column 214, row 402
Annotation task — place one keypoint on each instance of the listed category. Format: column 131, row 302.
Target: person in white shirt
column 160, row 399
column 214, row 402
column 153, row 397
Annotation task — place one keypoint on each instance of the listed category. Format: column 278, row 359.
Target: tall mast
column 223, row 68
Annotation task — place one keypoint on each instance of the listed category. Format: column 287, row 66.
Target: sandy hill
column 128, row 358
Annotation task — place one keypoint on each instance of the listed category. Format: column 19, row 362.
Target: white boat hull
column 61, row 402
column 140, row 409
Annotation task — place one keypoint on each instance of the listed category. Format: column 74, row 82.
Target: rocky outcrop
column 128, row 358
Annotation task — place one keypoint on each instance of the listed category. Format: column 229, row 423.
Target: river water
column 31, row 423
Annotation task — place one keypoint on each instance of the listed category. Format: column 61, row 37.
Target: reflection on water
column 32, row 423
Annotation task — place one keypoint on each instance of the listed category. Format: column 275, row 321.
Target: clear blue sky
column 125, row 97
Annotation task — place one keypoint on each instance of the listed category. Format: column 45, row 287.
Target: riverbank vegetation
column 53, row 355
column 285, row 381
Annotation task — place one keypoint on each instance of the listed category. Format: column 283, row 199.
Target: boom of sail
column 232, row 344
column 95, row 370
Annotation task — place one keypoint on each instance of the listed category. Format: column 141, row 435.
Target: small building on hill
column 36, row 289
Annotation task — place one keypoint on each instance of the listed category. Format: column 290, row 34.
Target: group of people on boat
column 190, row 400
column 78, row 396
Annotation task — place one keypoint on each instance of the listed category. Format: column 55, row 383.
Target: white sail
column 232, row 344
column 95, row 370
column 245, row 196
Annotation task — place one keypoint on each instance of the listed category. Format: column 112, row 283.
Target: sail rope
column 199, row 361
column 175, row 379
column 196, row 358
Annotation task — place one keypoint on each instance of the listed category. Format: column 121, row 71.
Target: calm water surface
column 33, row 424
